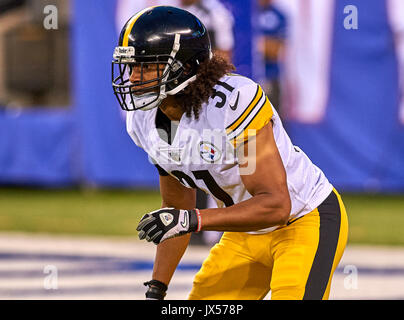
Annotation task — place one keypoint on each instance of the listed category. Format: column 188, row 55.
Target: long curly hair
column 199, row 91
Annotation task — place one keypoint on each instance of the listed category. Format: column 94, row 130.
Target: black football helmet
column 170, row 40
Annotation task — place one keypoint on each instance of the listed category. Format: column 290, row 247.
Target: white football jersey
column 201, row 153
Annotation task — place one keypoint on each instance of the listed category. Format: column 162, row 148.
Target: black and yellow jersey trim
column 235, row 125
column 258, row 113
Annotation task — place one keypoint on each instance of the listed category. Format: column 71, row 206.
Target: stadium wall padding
column 36, row 147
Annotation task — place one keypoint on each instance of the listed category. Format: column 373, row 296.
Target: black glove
column 167, row 223
column 157, row 290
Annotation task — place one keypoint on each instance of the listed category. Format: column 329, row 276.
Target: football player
column 285, row 226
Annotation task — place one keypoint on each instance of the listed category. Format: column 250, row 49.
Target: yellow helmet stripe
column 131, row 23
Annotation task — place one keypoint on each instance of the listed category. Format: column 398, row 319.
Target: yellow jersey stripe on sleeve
column 260, row 119
column 247, row 111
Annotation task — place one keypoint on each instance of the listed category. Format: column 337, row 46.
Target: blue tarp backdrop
column 360, row 142
column 359, row 145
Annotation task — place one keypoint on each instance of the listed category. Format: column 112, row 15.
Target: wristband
column 199, row 217
column 157, row 290
column 195, row 220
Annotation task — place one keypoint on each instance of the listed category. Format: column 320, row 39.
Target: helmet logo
column 124, row 54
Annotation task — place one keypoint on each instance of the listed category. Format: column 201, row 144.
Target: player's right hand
column 166, row 223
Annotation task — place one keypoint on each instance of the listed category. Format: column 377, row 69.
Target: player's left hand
column 167, row 223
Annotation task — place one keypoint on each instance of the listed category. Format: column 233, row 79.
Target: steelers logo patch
column 209, row 152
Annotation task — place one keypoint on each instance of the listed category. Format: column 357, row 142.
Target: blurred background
column 334, row 69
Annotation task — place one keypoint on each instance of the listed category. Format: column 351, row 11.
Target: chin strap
column 176, row 48
column 150, row 100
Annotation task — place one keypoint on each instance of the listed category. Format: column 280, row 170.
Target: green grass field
column 373, row 219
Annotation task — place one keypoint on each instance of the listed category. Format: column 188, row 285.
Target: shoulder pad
column 243, row 110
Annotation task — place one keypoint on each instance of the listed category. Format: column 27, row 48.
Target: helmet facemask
column 144, row 94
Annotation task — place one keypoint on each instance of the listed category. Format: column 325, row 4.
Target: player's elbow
column 280, row 209
column 284, row 209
